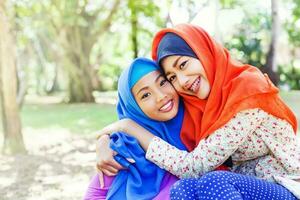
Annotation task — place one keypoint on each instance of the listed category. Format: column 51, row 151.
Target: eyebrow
column 146, row 87
column 174, row 64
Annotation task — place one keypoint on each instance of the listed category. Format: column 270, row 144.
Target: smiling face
column 156, row 97
column 187, row 75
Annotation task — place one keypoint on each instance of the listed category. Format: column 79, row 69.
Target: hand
column 124, row 125
column 106, row 163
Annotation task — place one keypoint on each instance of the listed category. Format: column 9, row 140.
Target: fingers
column 116, row 165
column 101, row 178
column 109, row 169
column 110, row 161
column 105, row 171
column 108, row 173
column 131, row 160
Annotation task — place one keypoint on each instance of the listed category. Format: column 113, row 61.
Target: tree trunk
column 80, row 86
column 271, row 64
column 80, row 81
column 13, row 140
column 134, row 30
column 77, row 42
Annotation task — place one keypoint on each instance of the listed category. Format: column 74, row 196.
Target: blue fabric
column 172, row 44
column 225, row 185
column 143, row 69
column 143, row 178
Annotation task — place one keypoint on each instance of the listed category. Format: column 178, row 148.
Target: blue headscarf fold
column 171, row 45
column 143, row 178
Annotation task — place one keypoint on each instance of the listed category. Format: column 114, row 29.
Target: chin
column 201, row 96
column 169, row 117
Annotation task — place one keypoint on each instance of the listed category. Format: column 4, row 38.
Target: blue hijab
column 142, row 179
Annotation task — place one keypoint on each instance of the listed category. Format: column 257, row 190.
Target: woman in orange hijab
column 232, row 109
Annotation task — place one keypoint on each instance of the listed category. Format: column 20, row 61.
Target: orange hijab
column 234, row 87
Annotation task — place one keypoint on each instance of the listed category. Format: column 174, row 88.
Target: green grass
column 78, row 118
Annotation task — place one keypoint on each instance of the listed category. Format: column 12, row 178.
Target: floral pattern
column 259, row 143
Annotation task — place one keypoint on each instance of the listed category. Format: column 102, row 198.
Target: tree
column 134, row 26
column 138, row 10
column 291, row 72
column 77, row 28
column 271, row 65
column 13, row 140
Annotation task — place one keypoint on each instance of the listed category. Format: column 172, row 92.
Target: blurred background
column 59, row 66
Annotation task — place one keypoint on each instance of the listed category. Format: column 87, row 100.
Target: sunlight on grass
column 78, row 118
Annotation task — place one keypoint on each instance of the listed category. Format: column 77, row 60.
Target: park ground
column 61, row 146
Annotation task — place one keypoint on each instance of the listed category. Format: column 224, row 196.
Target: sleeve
column 210, row 152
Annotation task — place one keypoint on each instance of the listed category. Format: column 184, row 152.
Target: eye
column 145, row 95
column 172, row 78
column 163, row 82
column 182, row 65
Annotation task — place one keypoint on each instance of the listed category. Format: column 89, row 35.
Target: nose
column 160, row 95
column 182, row 80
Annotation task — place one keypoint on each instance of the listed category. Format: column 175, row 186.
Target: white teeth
column 166, row 106
column 194, row 85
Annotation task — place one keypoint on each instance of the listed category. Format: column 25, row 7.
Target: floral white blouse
column 259, row 143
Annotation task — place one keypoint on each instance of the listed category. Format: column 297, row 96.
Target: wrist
column 103, row 136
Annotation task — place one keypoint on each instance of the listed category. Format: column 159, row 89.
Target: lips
column 167, row 106
column 195, row 86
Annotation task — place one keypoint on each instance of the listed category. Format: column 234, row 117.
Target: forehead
column 170, row 62
column 147, row 80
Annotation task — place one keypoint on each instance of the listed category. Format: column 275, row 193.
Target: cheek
column 177, row 87
column 170, row 90
column 203, row 73
column 148, row 108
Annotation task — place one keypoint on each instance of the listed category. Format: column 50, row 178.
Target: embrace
column 196, row 124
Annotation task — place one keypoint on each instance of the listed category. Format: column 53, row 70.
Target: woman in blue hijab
column 141, row 179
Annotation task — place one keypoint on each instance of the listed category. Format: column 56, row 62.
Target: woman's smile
column 196, row 85
column 168, row 106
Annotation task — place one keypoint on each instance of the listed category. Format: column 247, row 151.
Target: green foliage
column 291, row 72
column 117, row 46
column 247, row 44
column 293, row 25
column 230, row 3
column 290, row 75
column 42, row 26
column 110, row 74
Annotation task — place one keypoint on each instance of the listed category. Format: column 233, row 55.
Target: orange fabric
column 234, row 87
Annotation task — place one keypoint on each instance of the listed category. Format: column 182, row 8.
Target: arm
column 131, row 128
column 210, row 152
